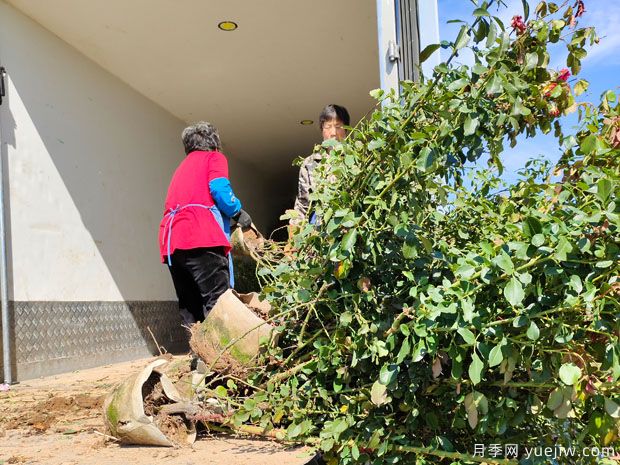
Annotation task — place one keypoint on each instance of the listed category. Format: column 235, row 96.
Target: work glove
column 242, row 219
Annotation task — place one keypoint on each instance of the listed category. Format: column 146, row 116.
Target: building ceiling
column 284, row 62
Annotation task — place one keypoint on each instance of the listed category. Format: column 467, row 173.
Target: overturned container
column 229, row 339
column 133, row 414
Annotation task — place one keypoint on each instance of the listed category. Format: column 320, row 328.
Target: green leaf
column 428, row 51
column 465, row 271
column 532, row 226
column 475, row 369
column 409, row 249
column 520, row 109
column 293, row 430
column 514, row 291
column 419, row 351
column 562, row 249
column 457, row 366
column 304, row 295
column 603, row 189
column 468, row 310
column 584, row 244
column 495, row 356
column 479, row 69
column 519, row 321
column 462, row 39
column 405, row 350
column 574, row 63
column 376, row 144
column 533, row 332
column 339, row 425
column 495, row 86
column 405, row 160
column 432, row 420
column 612, row 408
column 426, row 158
column 576, row 284
column 538, row 240
column 471, row 124
column 388, row 374
column 526, row 10
column 564, row 336
column 570, row 374
column 467, row 336
column 555, row 93
column 445, row 444
column 375, row 439
column 348, row 241
column 428, row 245
column 531, row 61
column 615, row 364
column 536, row 405
column 581, row 86
column 327, row 444
column 558, row 24
column 481, row 31
column 555, row 399
column 492, row 35
column 604, row 264
column 610, row 96
column 377, row 94
column 478, row 12
column 504, row 262
column 588, row 144
column 346, row 318
column 457, row 85
column 525, row 278
column 541, row 9
column 378, row 394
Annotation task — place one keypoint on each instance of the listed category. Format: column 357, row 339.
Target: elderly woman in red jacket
column 195, row 230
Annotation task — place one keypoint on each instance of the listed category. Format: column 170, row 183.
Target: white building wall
column 89, row 160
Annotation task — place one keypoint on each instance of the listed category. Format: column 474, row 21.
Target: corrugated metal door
column 407, row 33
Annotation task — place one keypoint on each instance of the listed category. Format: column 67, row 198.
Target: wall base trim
column 57, row 337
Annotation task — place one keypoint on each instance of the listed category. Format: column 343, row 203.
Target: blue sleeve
column 224, row 197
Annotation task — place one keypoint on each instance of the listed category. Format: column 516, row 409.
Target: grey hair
column 201, row 136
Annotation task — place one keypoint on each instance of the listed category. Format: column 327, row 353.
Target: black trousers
column 200, row 277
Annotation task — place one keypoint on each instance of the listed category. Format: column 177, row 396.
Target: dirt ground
column 58, row 420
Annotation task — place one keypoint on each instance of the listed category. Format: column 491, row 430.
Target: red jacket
column 192, row 227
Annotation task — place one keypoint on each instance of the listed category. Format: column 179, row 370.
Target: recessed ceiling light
column 227, row 25
column 306, row 122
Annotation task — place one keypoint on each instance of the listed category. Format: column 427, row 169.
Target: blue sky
column 601, row 68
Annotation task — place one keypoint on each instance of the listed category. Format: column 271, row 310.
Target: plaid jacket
column 307, row 184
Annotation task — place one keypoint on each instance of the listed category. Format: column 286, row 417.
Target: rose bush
column 428, row 312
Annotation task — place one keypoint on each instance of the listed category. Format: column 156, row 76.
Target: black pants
column 200, row 277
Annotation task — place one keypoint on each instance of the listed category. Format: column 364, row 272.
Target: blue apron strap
column 171, row 214
column 218, row 217
column 168, row 226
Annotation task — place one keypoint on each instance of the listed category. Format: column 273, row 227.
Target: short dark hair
column 201, row 136
column 333, row 111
